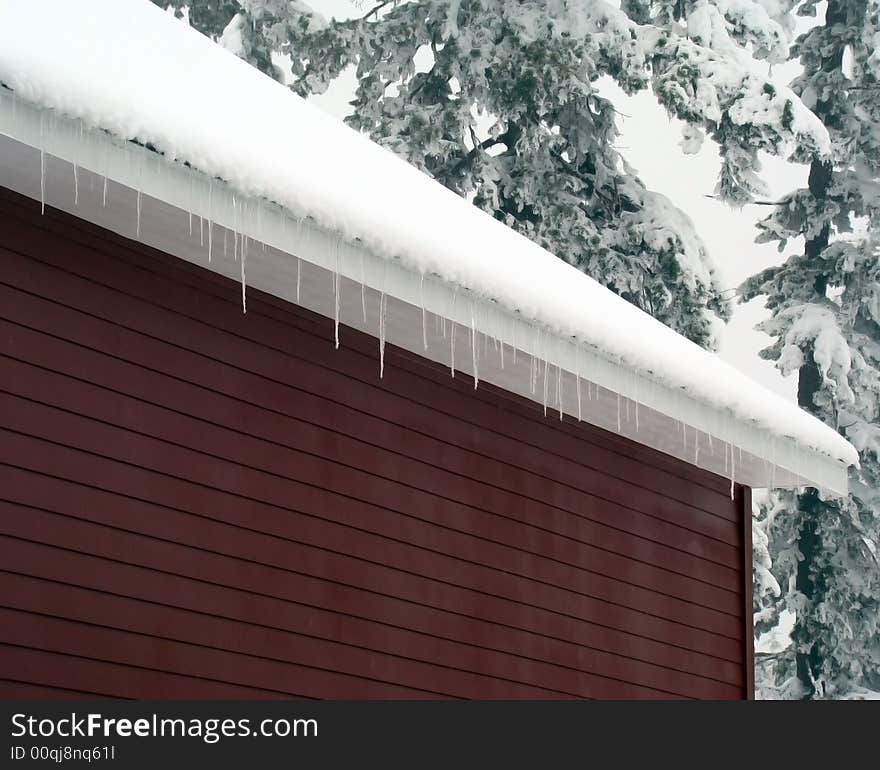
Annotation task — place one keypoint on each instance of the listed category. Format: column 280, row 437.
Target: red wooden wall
column 196, row 503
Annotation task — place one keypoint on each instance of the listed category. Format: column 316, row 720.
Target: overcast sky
column 649, row 141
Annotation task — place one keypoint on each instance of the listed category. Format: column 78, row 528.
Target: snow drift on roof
column 127, row 67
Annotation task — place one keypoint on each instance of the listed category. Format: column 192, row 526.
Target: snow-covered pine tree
column 825, row 304
column 499, row 101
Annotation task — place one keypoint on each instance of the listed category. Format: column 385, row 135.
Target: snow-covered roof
column 128, row 68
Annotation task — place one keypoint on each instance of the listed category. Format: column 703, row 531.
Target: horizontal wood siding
column 200, row 503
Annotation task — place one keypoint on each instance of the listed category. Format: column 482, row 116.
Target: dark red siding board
column 15, row 690
column 35, row 665
column 197, row 503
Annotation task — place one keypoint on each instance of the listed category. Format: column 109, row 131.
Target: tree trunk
column 808, row 581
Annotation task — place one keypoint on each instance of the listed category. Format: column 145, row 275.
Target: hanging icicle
column 474, row 347
column 546, row 366
column 210, row 215
column 243, row 276
column 732, row 472
column 138, row 225
column 452, row 335
column 514, row 341
column 559, row 389
column 337, row 290
column 618, row 412
column 42, row 179
column 104, row 194
column 298, row 278
column 424, row 320
column 382, row 310
column 75, row 185
column 364, row 286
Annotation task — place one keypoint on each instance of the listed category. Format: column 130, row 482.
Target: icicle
column 75, row 185
column 298, row 278
column 191, row 223
column 637, row 416
column 559, row 389
column 732, row 472
column 243, row 277
column 382, row 310
column 225, row 233
column 105, row 193
column 514, row 341
column 42, row 176
column 627, row 410
column 501, row 348
column 138, row 226
column 452, row 350
column 363, row 288
column 696, row 447
column 201, row 231
column 546, row 366
column 337, row 290
column 474, row 347
column 210, row 219
column 336, row 312
column 424, row 320
column 452, row 335
column 618, row 412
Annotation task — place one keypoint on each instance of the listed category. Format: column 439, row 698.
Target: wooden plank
column 14, row 690
column 76, row 672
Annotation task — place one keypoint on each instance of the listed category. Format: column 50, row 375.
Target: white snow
column 127, row 67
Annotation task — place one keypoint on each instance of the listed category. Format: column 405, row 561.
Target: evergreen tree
column 506, row 111
column 825, row 304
